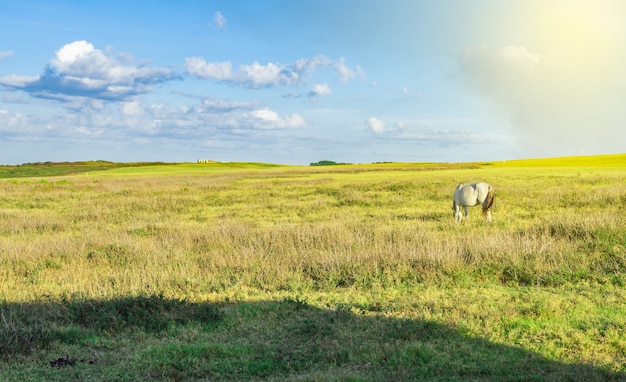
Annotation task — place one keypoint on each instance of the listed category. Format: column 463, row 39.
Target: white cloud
column 320, row 90
column 257, row 75
column 79, row 69
column 426, row 131
column 217, row 105
column 4, row 54
column 198, row 67
column 75, row 52
column 344, row 73
column 518, row 54
column 295, row 121
column 375, row 125
column 308, row 64
column 12, row 122
column 97, row 104
column 131, row 108
column 81, row 62
column 269, row 119
column 254, row 75
column 265, row 114
column 14, row 80
column 219, row 19
column 134, row 121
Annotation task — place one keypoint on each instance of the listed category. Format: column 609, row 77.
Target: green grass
column 51, row 169
column 239, row 271
column 46, row 169
column 291, row 338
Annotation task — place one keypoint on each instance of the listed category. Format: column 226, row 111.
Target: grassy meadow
column 244, row 271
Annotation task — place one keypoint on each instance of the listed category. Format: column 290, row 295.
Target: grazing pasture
column 237, row 271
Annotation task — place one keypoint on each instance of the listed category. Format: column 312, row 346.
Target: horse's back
column 471, row 194
column 466, row 194
column 482, row 189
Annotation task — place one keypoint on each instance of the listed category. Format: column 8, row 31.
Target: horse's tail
column 488, row 203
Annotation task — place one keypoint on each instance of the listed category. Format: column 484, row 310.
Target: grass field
column 247, row 271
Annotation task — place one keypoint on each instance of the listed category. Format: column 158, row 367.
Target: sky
column 296, row 82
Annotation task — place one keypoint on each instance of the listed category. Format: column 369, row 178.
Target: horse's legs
column 457, row 213
column 465, row 209
column 488, row 214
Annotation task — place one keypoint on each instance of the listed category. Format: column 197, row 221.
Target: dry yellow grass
column 187, row 235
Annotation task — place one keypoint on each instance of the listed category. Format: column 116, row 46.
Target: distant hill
column 44, row 169
column 36, row 169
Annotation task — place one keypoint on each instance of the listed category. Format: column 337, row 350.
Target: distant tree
column 324, row 163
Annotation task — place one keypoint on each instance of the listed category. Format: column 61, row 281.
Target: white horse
column 469, row 195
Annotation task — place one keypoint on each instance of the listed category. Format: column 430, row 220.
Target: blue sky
column 296, row 82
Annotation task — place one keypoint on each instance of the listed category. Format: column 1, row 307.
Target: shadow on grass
column 271, row 340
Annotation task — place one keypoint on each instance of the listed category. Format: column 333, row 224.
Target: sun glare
column 579, row 34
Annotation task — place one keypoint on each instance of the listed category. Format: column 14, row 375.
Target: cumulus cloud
column 79, row 69
column 257, row 75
